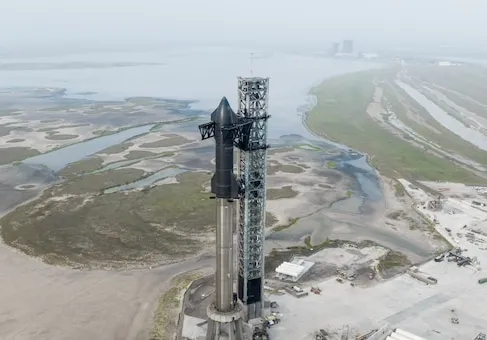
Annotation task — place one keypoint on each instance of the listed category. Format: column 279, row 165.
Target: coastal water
column 148, row 181
column 202, row 75
column 58, row 159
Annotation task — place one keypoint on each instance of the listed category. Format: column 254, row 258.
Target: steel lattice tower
column 252, row 169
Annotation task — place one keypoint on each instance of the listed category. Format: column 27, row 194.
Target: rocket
column 225, row 187
column 223, row 182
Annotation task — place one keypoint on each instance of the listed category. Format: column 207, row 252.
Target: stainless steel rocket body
column 225, row 187
column 224, row 255
column 224, row 317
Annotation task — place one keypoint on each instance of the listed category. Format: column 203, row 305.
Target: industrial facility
column 299, row 302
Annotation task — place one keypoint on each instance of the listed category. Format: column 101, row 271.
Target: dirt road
column 40, row 302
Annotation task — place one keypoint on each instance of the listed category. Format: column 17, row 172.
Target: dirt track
column 44, row 302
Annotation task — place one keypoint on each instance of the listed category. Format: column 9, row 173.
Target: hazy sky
column 310, row 22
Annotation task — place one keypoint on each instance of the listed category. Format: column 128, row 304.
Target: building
column 347, row 47
column 293, row 270
column 335, row 49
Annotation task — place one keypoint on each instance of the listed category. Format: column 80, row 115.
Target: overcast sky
column 311, row 22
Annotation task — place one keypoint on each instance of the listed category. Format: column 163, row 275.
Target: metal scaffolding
column 252, row 169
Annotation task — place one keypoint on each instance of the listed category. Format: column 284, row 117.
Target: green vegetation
column 308, row 147
column 275, row 167
column 171, row 141
column 392, row 260
column 137, row 154
column 340, row 114
column 81, row 167
column 61, row 136
column 16, row 140
column 100, row 133
column 279, row 150
column 470, row 80
column 10, row 155
column 55, row 129
column 284, row 192
column 331, row 164
column 134, row 227
column 114, row 149
column 395, row 215
column 466, row 103
column 307, row 241
column 348, row 193
column 270, row 219
column 291, row 222
column 398, row 99
column 98, row 182
column 399, row 189
column 177, row 121
column 165, row 324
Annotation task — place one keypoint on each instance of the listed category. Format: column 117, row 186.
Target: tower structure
column 252, row 170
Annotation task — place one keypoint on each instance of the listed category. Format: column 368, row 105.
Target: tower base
column 224, row 325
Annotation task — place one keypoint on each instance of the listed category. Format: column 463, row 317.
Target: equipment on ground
column 322, row 335
column 260, row 334
column 316, row 290
column 440, row 258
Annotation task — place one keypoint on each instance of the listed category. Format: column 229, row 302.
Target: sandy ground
column 187, row 139
column 44, row 302
column 391, row 222
column 404, row 302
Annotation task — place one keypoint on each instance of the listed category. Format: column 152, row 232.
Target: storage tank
column 408, row 335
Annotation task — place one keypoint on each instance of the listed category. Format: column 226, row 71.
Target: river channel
column 454, row 125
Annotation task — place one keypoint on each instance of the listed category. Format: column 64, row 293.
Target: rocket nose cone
column 223, row 114
column 224, row 103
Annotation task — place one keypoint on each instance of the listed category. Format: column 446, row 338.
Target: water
column 164, row 173
column 116, row 165
column 204, row 74
column 470, row 135
column 201, row 74
column 58, row 159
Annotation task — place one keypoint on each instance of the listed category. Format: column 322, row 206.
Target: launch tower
column 252, row 169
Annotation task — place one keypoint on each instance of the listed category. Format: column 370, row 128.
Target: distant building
column 335, row 48
column 347, row 47
column 369, row 55
column 445, row 63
